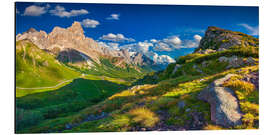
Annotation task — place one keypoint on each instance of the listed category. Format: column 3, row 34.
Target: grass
column 130, row 107
column 66, row 100
column 24, row 92
column 107, row 68
column 39, row 67
column 143, row 117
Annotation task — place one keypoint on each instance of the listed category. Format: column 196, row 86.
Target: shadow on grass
column 77, row 95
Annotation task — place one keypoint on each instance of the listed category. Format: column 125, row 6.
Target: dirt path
column 51, row 87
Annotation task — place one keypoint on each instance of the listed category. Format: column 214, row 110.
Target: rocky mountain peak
column 76, row 28
column 217, row 38
column 31, row 30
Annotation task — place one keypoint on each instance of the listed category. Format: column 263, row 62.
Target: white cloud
column 144, row 46
column 168, row 44
column 110, row 45
column 161, row 59
column 174, row 40
column 61, row 12
column 153, row 40
column 197, row 38
column 252, row 30
column 116, row 38
column 113, row 17
column 34, row 10
column 88, row 23
column 103, row 44
column 192, row 43
column 160, row 46
column 114, row 46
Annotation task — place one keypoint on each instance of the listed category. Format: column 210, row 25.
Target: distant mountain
column 72, row 47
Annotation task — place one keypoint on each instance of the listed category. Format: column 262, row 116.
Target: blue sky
column 171, row 30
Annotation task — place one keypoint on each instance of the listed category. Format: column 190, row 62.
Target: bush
column 143, row 116
column 249, row 107
column 248, row 119
column 242, row 88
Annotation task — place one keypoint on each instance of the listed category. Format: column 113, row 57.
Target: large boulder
column 225, row 109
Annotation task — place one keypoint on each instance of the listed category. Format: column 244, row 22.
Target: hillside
column 37, row 68
column 212, row 88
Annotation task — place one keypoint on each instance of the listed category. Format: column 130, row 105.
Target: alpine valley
column 67, row 82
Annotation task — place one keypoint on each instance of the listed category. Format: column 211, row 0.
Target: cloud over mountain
column 88, row 23
column 116, row 38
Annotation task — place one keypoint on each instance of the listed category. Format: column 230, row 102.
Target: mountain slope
column 37, row 68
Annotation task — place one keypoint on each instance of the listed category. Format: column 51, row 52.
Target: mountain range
column 72, row 47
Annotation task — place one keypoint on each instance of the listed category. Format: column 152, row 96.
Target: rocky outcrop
column 216, row 38
column 225, row 110
column 252, row 77
column 236, row 62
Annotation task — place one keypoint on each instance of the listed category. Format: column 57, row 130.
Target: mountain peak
column 216, row 38
column 76, row 27
column 31, row 30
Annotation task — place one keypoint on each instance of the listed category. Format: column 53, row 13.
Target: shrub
column 248, row 119
column 143, row 116
column 242, row 88
column 249, row 107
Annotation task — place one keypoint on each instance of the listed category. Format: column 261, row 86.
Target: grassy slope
column 64, row 101
column 36, row 68
column 106, row 68
column 140, row 106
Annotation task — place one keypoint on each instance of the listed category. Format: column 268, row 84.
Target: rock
column 181, row 104
column 221, row 49
column 223, row 59
column 197, row 69
column 219, row 39
column 250, row 61
column 253, row 78
column 188, row 109
column 207, row 51
column 204, row 63
column 176, row 67
column 225, row 110
column 197, row 121
column 235, row 62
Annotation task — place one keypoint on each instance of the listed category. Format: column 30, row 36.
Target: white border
column 7, row 61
